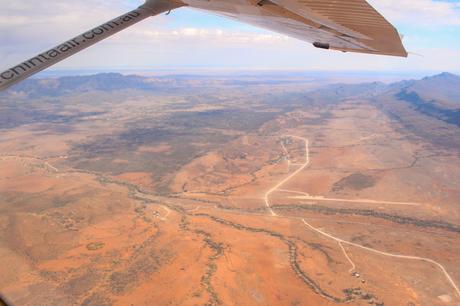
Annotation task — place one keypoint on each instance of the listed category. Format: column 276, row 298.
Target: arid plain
column 232, row 190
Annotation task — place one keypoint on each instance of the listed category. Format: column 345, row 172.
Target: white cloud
column 30, row 26
column 419, row 12
column 212, row 37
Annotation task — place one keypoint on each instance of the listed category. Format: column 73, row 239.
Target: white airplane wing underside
column 345, row 25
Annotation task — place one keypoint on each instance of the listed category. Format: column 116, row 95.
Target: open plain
column 229, row 191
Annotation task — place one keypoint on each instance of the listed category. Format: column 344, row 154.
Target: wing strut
column 83, row 41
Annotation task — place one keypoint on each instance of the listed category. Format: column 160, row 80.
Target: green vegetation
column 93, row 246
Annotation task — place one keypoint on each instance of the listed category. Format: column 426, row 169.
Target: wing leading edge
column 345, row 25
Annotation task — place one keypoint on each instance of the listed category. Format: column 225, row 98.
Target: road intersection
column 341, row 241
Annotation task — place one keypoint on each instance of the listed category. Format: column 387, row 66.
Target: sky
column 191, row 39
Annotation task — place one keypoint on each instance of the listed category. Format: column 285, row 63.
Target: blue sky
column 189, row 39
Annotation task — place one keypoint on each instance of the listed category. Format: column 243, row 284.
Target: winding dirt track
column 306, row 196
column 353, row 267
column 342, row 241
column 277, row 186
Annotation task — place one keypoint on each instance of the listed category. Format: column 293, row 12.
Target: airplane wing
column 345, row 25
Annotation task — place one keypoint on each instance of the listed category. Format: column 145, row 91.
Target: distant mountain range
column 444, row 88
column 107, row 82
column 77, row 84
column 436, row 96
